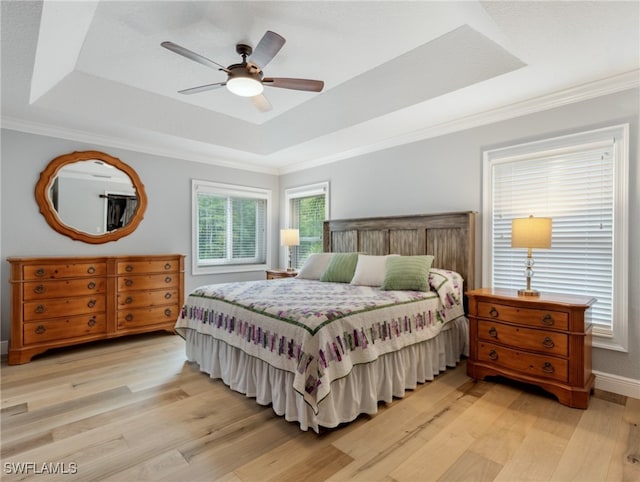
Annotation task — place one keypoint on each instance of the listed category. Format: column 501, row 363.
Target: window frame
column 300, row 192
column 229, row 190
column 617, row 338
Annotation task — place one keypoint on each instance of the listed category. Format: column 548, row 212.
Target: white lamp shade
column 245, row 86
column 531, row 232
column 289, row 237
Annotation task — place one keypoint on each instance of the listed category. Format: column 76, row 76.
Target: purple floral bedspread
column 319, row 330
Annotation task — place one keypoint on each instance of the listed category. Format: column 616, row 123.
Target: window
column 307, row 208
column 230, row 227
column 581, row 182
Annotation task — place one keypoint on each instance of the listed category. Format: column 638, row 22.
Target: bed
column 323, row 351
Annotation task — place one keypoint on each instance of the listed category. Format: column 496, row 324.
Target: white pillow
column 314, row 266
column 370, row 270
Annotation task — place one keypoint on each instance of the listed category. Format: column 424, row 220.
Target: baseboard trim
column 617, row 384
column 4, row 347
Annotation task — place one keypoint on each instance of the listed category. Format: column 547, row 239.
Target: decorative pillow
column 407, row 273
column 341, row 268
column 314, row 266
column 370, row 270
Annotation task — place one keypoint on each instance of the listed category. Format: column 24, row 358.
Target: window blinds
column 231, row 229
column 576, row 190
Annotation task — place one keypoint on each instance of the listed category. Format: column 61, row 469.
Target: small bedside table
column 543, row 340
column 277, row 273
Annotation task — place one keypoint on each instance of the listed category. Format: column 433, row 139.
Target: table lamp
column 530, row 233
column 289, row 238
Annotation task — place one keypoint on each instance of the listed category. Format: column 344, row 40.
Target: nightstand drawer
column 538, row 366
column 556, row 320
column 524, row 338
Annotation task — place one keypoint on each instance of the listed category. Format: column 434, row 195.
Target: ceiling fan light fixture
column 244, row 85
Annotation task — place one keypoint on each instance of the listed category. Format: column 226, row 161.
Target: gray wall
column 166, row 227
column 445, row 174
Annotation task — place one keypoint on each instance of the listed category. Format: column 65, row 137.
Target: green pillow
column 340, row 268
column 407, row 273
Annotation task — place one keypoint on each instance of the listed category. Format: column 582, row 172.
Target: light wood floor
column 133, row 409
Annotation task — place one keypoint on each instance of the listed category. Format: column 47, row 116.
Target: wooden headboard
column 449, row 237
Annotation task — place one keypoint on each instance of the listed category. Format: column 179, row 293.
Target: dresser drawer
column 524, row 338
column 137, row 299
column 149, row 282
column 525, row 316
column 137, row 317
column 64, row 328
column 54, row 308
column 37, row 290
column 151, row 266
column 538, row 366
column 63, row 270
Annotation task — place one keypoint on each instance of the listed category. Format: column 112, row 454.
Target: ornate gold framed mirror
column 91, row 196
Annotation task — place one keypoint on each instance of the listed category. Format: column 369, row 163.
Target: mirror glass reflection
column 93, row 196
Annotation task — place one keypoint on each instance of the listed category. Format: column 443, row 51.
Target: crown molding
column 49, row 130
column 610, row 85
column 579, row 93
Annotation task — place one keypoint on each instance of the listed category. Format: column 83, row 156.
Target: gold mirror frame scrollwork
column 47, row 177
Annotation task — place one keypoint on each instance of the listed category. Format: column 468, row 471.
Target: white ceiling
column 394, row 72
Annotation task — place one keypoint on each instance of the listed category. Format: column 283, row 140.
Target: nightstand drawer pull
column 129, row 317
column 548, row 367
column 39, row 289
column 91, row 270
column 40, row 272
column 92, row 321
column 547, row 320
column 91, row 303
column 129, row 268
column 128, row 300
column 40, row 309
column 168, row 279
column 548, row 342
column 40, row 330
column 167, row 296
column 128, row 282
column 167, row 266
column 493, row 355
column 91, row 285
column 493, row 333
column 167, row 312
column 493, row 312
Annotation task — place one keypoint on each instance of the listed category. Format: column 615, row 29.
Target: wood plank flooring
column 133, row 409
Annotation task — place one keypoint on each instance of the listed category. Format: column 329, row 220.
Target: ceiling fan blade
column 202, row 88
column 269, row 45
column 261, row 103
column 193, row 56
column 295, row 84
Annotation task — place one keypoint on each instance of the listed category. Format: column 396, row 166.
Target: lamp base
column 528, row 293
column 290, row 270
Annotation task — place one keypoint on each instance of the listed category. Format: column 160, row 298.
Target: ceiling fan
column 246, row 79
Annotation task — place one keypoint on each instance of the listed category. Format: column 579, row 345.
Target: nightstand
column 277, row 273
column 543, row 340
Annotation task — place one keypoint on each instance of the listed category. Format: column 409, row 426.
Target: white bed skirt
column 359, row 392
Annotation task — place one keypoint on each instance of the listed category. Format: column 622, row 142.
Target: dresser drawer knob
column 129, row 268
column 548, row 342
column 129, row 300
column 40, row 309
column 167, row 296
column 493, row 333
column 39, row 289
column 547, row 367
column 91, row 303
column 167, row 312
column 129, row 317
column 128, row 282
column 168, row 279
column 547, row 320
column 40, row 330
column 91, row 285
column 493, row 355
column 92, row 321
column 493, row 312
column 91, row 270
column 40, row 272
column 167, row 266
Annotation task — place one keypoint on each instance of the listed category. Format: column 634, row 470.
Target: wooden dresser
column 543, row 340
column 277, row 273
column 64, row 301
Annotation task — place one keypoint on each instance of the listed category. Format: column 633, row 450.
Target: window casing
column 581, row 182
column 230, row 227
column 307, row 207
